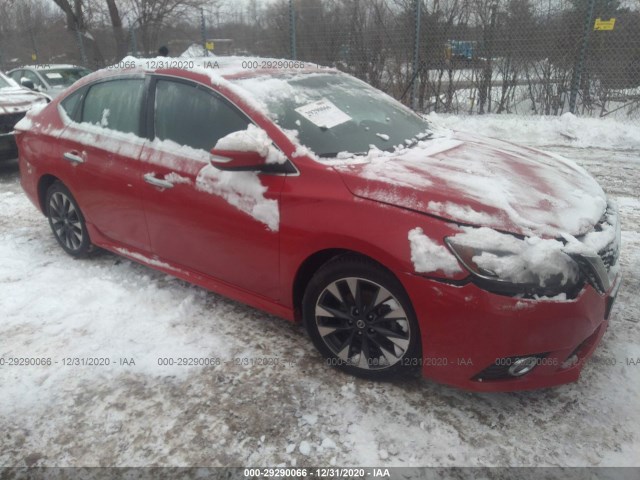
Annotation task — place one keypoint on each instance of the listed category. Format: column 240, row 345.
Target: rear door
column 103, row 142
column 222, row 224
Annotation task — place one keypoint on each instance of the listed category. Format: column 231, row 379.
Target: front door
column 222, row 224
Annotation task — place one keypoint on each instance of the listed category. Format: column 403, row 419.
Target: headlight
column 503, row 263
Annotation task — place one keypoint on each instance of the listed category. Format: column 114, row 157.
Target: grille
column 8, row 121
column 611, row 252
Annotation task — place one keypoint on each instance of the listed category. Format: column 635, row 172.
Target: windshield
column 5, row 82
column 64, row 77
column 335, row 113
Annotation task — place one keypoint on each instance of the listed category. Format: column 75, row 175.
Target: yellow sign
column 34, row 57
column 209, row 46
column 604, row 24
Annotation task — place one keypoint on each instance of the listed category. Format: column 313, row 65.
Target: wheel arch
column 44, row 183
column 313, row 263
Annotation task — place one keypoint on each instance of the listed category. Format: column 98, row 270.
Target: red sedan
column 308, row 194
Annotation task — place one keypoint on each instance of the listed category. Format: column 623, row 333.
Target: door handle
column 157, row 182
column 73, row 157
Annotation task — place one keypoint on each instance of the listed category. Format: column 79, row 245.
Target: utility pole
column 292, row 31
column 577, row 69
column 416, row 55
column 203, row 28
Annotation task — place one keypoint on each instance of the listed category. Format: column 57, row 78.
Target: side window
column 70, row 104
column 17, row 75
column 115, row 104
column 193, row 117
column 33, row 77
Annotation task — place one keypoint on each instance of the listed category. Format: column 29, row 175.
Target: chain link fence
column 542, row 57
column 469, row 56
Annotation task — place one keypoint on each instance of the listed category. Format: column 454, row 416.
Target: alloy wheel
column 65, row 221
column 362, row 323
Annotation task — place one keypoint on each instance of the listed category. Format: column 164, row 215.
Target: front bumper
column 466, row 330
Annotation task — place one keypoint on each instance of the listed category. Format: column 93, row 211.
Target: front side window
column 115, row 105
column 33, row 77
column 192, row 116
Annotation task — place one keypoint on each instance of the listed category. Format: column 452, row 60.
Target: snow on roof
column 195, row 51
column 221, row 71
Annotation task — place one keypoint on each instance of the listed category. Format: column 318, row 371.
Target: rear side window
column 115, row 105
column 71, row 103
column 191, row 116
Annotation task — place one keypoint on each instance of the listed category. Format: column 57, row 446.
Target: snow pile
column 567, row 129
column 607, row 234
column 196, row 50
column 253, row 139
column 244, row 191
column 533, row 261
column 428, row 256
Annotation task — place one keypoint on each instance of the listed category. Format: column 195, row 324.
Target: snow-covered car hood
column 16, row 99
column 481, row 181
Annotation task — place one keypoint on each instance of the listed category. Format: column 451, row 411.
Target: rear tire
column 67, row 222
column 361, row 320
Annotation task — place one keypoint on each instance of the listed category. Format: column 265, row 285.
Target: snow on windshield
column 335, row 114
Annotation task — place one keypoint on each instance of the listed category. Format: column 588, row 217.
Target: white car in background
column 14, row 103
column 48, row 78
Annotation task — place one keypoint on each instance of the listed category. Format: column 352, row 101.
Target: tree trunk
column 118, row 33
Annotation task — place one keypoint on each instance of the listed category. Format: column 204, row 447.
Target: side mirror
column 249, row 150
column 237, row 161
column 25, row 82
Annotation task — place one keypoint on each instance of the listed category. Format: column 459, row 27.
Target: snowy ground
column 299, row 412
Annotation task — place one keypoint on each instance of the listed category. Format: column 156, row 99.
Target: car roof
column 48, row 66
column 230, row 68
column 218, row 72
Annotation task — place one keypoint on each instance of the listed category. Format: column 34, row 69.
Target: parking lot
column 266, row 398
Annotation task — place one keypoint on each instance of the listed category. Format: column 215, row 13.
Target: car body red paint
column 206, row 241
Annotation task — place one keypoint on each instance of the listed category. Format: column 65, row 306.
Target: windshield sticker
column 53, row 75
column 323, row 113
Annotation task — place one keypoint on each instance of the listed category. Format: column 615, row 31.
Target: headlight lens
column 503, row 263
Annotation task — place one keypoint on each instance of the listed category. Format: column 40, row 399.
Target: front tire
column 66, row 221
column 361, row 320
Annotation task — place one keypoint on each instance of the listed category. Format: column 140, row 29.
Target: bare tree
column 152, row 15
column 116, row 25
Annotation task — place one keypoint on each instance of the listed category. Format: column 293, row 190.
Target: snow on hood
column 483, row 182
column 17, row 99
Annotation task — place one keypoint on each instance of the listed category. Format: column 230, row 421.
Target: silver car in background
column 14, row 103
column 48, row 78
